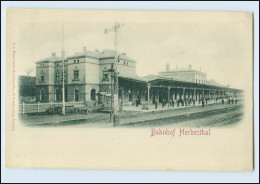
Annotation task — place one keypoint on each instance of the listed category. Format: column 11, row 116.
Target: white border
column 54, row 175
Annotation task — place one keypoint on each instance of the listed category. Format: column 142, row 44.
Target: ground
column 212, row 115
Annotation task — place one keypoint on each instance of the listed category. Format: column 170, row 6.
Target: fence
column 26, row 108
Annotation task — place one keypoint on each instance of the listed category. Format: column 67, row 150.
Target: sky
column 218, row 42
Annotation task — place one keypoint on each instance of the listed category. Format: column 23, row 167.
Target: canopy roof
column 168, row 82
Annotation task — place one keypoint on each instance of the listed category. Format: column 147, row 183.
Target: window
column 57, row 77
column 93, row 94
column 76, row 95
column 58, row 94
column 76, row 74
column 42, row 65
column 76, row 61
column 105, row 75
column 41, row 95
column 42, row 77
column 57, row 64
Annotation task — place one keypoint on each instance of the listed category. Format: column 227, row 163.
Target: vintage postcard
column 129, row 90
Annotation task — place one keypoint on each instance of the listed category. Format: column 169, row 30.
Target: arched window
column 93, row 94
column 76, row 95
column 41, row 94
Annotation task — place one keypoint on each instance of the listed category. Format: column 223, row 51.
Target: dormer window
column 42, row 65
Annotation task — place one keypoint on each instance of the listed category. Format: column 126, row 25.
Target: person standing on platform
column 203, row 102
column 182, row 102
column 162, row 103
column 193, row 102
column 173, row 101
column 136, row 102
column 155, row 103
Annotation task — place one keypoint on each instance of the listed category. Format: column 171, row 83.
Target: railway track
column 140, row 119
column 216, row 120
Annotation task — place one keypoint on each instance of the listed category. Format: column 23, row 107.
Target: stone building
column 86, row 74
column 87, row 77
column 185, row 74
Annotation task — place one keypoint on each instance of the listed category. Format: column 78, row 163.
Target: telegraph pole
column 63, row 71
column 115, row 105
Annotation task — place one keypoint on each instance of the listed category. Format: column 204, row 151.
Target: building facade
column 85, row 75
column 185, row 74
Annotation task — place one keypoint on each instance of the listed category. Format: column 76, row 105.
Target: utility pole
column 63, row 72
column 115, row 104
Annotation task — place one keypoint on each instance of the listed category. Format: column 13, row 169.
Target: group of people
column 189, row 101
column 173, row 102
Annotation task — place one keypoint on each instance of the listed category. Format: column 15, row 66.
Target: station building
column 87, row 77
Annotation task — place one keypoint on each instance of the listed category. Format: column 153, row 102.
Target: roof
column 111, row 53
column 181, row 70
column 165, row 81
column 50, row 59
column 101, row 55
column 212, row 82
column 85, row 53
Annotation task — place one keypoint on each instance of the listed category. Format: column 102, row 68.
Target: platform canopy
column 164, row 82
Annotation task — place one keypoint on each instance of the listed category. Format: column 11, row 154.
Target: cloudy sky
column 218, row 42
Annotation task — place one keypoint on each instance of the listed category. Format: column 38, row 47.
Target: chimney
column 167, row 67
column 190, row 67
column 84, row 49
column 63, row 54
column 53, row 54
